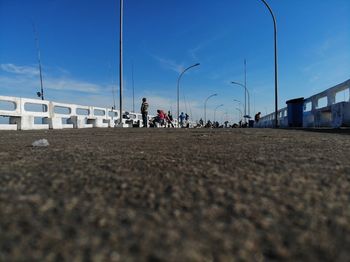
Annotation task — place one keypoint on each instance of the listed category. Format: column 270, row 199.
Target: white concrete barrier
column 59, row 115
column 268, row 121
column 112, row 117
column 6, row 111
column 28, row 114
column 30, row 117
column 320, row 110
column 323, row 110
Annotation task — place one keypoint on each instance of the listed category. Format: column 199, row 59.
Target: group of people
column 166, row 119
column 216, row 124
column 161, row 119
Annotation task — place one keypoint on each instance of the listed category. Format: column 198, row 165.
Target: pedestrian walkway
column 174, row 195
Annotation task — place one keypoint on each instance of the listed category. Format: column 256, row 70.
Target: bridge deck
column 174, row 195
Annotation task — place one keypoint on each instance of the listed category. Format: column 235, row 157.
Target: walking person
column 187, row 120
column 182, row 118
column 169, row 119
column 144, row 111
column 257, row 117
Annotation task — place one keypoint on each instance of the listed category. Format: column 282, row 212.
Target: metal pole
column 133, row 88
column 178, row 91
column 239, row 103
column 205, row 107
column 276, row 62
column 113, row 91
column 246, row 91
column 121, row 63
column 240, row 111
column 39, row 61
column 215, row 111
column 245, row 84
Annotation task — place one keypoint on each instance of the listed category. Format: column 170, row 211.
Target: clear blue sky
column 79, row 50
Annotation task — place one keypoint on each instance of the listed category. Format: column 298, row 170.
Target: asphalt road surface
column 175, row 195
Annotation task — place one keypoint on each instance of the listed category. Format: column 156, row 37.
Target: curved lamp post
column 276, row 64
column 238, row 101
column 215, row 111
column 178, row 89
column 205, row 107
column 121, row 7
column 240, row 111
column 246, row 91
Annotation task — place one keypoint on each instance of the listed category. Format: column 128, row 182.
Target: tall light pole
column 133, row 88
column 205, row 107
column 178, row 89
column 276, row 63
column 245, row 92
column 121, row 62
column 238, row 101
column 240, row 111
column 215, row 111
column 245, row 84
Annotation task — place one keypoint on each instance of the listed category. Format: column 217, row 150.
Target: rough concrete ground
column 175, row 195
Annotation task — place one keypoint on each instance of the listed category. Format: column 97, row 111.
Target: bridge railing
column 328, row 109
column 325, row 109
column 268, row 121
column 29, row 114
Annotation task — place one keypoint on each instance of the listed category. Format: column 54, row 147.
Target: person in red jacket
column 159, row 118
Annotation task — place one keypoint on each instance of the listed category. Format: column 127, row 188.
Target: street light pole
column 240, row 111
column 121, row 63
column 215, row 111
column 276, row 63
column 205, row 107
column 133, row 87
column 238, row 102
column 245, row 91
column 245, row 84
column 178, row 90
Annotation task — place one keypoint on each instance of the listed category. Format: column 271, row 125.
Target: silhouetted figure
column 168, row 119
column 187, row 118
column 182, row 118
column 201, row 122
column 144, row 112
column 208, row 124
column 257, row 117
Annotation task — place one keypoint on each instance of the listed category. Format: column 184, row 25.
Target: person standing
column 187, row 120
column 257, row 117
column 182, row 118
column 144, row 111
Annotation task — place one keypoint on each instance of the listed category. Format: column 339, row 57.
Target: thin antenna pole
column 133, row 87
column 112, row 82
column 121, row 63
column 39, row 61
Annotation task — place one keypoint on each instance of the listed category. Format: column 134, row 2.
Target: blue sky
column 79, row 50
